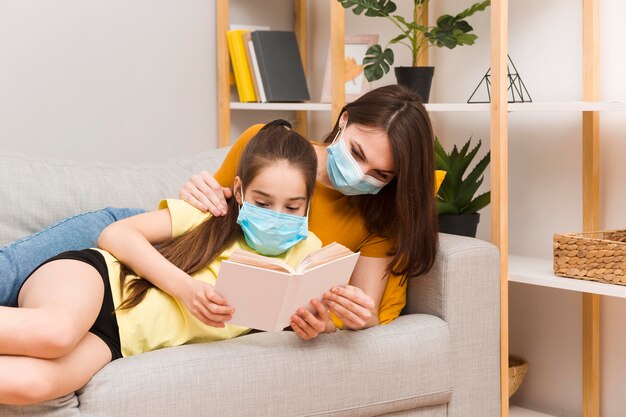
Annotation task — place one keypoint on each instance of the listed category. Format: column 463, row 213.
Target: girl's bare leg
column 58, row 305
column 25, row 380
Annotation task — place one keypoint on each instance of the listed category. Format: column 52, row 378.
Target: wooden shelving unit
column 539, row 272
column 337, row 25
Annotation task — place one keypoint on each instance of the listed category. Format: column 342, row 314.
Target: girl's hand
column 205, row 304
column 204, row 193
column 351, row 305
column 308, row 325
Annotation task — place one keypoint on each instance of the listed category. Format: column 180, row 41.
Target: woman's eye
column 261, row 204
column 356, row 155
column 293, row 208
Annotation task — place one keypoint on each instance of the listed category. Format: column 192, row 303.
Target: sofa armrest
column 463, row 289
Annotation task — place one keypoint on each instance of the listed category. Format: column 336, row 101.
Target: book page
column 323, row 255
column 241, row 256
column 315, row 282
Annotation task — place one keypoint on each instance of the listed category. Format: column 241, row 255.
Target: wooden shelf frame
column 590, row 108
column 337, row 36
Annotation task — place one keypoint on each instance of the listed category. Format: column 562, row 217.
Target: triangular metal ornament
column 516, row 92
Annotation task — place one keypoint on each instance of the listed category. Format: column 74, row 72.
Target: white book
column 266, row 292
column 256, row 73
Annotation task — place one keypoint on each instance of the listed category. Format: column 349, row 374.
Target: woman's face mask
column 345, row 173
column 269, row 232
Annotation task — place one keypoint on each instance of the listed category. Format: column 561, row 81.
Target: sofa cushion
column 399, row 366
column 41, row 191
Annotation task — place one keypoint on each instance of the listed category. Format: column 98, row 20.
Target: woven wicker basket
column 596, row 256
column 517, row 369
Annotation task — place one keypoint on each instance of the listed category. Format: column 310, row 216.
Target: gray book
column 280, row 65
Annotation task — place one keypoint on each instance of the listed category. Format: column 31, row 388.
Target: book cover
column 257, row 73
column 265, row 292
column 280, row 66
column 254, row 67
column 241, row 67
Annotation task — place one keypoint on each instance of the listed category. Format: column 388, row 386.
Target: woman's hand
column 204, row 193
column 351, row 305
column 205, row 304
column 308, row 325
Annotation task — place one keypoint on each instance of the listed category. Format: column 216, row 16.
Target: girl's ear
column 237, row 190
column 343, row 121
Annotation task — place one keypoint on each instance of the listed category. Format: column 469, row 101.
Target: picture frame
column 355, row 47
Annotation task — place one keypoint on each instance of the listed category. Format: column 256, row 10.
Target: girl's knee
column 29, row 387
column 58, row 338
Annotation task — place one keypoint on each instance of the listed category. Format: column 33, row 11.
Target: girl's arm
column 130, row 241
column 357, row 304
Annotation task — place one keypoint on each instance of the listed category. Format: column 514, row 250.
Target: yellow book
column 241, row 67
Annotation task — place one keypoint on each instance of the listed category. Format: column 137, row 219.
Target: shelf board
column 515, row 411
column 535, row 271
column 570, row 106
column 281, row 106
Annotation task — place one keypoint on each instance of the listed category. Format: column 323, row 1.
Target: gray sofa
column 440, row 358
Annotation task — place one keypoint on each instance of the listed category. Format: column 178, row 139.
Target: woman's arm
column 357, row 304
column 130, row 241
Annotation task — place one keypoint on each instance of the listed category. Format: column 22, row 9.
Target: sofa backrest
column 39, row 191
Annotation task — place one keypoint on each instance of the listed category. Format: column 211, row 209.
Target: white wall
column 107, row 80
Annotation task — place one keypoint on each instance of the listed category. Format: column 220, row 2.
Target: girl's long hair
column 196, row 249
column 405, row 209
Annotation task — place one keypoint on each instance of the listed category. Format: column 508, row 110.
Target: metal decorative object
column 516, row 92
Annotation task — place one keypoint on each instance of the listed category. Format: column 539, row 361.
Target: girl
column 65, row 329
column 374, row 194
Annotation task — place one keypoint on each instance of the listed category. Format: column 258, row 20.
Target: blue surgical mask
column 269, row 232
column 345, row 173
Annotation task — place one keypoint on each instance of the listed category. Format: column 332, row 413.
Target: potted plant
column 449, row 31
column 456, row 204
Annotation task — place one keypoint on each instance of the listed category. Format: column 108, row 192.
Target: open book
column 265, row 292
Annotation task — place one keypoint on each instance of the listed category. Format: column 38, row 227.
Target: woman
column 60, row 340
column 374, row 194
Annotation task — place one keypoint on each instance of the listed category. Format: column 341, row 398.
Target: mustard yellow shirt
column 332, row 219
column 161, row 320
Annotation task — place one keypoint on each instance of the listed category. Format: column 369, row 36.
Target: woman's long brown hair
column 405, row 209
column 196, row 249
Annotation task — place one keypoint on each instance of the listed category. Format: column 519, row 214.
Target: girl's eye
column 261, row 204
column 293, row 208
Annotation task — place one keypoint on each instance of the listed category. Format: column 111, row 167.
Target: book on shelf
column 265, row 292
column 241, row 67
column 257, row 82
column 280, row 66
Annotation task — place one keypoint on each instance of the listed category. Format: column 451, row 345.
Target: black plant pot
column 459, row 224
column 418, row 79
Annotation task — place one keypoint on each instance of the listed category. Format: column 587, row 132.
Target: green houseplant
column 449, row 31
column 457, row 204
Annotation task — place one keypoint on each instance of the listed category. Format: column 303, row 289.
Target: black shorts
column 105, row 327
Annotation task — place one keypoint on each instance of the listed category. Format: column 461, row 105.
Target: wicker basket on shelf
column 595, row 256
column 517, row 369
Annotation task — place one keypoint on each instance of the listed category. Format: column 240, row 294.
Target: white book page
column 315, row 282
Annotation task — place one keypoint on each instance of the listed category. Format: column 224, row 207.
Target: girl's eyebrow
column 270, row 196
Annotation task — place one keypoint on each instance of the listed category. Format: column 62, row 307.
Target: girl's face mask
column 269, row 232
column 344, row 171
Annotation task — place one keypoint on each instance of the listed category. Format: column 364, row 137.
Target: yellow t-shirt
column 161, row 320
column 332, row 219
